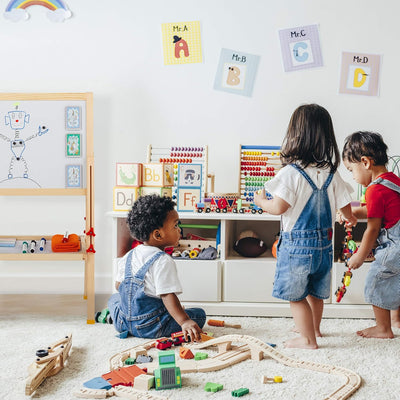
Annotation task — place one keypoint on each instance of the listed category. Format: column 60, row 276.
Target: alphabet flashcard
column 236, row 72
column 181, row 42
column 360, row 74
column 300, row 48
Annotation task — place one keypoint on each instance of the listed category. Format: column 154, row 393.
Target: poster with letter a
column 181, row 43
column 360, row 74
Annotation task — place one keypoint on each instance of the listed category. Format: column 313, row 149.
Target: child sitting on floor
column 147, row 305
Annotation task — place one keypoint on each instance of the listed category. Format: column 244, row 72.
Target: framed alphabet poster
column 300, row 48
column 360, row 74
column 181, row 42
column 236, row 72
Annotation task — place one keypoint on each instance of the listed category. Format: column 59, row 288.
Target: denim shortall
column 142, row 315
column 382, row 285
column 305, row 253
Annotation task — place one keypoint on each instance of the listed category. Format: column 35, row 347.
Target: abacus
column 181, row 155
column 258, row 164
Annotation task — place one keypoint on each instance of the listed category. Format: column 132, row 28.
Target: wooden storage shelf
column 236, row 285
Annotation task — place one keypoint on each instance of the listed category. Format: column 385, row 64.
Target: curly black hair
column 147, row 214
column 364, row 143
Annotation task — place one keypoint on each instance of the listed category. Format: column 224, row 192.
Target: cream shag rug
column 377, row 361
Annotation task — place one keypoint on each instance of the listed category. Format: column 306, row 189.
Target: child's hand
column 258, row 196
column 350, row 222
column 355, row 261
column 190, row 328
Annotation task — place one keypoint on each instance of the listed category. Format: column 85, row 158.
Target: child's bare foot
column 376, row 332
column 300, row 343
column 317, row 333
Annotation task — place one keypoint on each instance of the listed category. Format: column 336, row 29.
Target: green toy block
column 240, row 392
column 213, row 387
column 129, row 361
column 200, row 356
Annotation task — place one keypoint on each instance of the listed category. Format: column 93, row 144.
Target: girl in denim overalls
column 364, row 154
column 307, row 191
column 147, row 305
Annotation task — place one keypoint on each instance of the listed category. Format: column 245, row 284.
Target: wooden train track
column 48, row 365
column 250, row 347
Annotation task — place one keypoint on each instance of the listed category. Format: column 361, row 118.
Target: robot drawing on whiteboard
column 18, row 167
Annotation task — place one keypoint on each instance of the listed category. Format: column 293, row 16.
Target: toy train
column 226, row 203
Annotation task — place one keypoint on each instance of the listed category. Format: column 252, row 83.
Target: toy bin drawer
column 200, row 279
column 355, row 291
column 249, row 280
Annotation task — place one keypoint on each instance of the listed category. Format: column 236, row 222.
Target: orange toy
column 215, row 322
column 59, row 244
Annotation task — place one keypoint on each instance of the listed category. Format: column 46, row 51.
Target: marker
column 32, row 246
column 42, row 244
column 24, row 247
column 65, row 238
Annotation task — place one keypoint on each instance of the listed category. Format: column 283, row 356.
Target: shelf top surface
column 212, row 216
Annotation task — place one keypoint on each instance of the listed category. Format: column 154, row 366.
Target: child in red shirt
column 364, row 154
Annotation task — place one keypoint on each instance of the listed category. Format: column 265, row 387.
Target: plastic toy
column 215, row 322
column 275, row 379
column 102, row 316
column 213, row 387
column 240, row 392
column 51, row 363
column 168, row 375
column 163, row 344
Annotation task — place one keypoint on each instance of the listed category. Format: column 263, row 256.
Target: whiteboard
column 43, row 144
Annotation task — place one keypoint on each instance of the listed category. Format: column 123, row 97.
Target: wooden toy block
column 124, row 197
column 129, row 174
column 275, row 379
column 144, row 382
column 131, row 393
column 158, row 174
column 97, row 383
column 190, row 175
column 137, row 352
column 187, row 198
column 161, row 191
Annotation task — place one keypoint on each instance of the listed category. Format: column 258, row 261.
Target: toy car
column 163, row 344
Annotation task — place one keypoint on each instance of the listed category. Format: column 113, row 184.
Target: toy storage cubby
column 236, row 285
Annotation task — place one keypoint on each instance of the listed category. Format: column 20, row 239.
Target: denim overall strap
column 316, row 214
column 387, row 183
column 139, row 277
column 308, row 179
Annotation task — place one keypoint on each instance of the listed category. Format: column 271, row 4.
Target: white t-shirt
column 162, row 276
column 291, row 186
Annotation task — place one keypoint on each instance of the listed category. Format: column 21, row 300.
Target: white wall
column 113, row 49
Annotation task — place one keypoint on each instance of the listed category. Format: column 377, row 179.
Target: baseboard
column 51, row 284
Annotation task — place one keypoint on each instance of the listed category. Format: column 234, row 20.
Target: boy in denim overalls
column 147, row 305
column 364, row 154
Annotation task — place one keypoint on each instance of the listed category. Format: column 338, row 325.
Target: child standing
column 147, row 304
column 364, row 154
column 307, row 191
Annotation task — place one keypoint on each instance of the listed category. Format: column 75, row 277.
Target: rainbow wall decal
column 57, row 9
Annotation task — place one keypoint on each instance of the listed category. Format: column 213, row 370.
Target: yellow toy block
column 158, row 174
column 124, row 197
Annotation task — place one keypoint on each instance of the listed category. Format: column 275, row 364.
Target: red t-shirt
column 383, row 202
